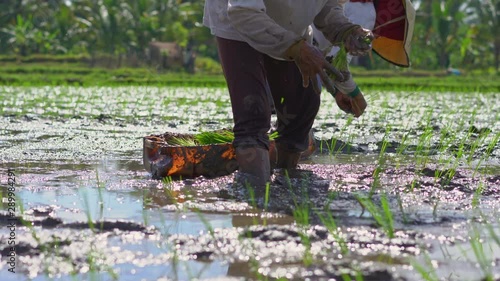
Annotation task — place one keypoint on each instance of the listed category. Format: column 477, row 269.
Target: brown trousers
column 251, row 76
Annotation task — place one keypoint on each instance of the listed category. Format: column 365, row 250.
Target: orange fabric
column 394, row 31
column 391, row 50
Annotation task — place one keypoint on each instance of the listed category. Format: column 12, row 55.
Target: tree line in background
column 448, row 33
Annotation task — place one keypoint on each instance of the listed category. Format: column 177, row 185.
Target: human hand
column 358, row 104
column 358, row 41
column 353, row 105
column 311, row 62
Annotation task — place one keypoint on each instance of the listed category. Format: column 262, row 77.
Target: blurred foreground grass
column 41, row 74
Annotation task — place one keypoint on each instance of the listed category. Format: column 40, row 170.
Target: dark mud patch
column 44, row 217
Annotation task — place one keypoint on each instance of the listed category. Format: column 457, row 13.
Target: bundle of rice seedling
column 182, row 141
column 274, row 135
column 340, row 61
column 214, row 137
column 206, row 138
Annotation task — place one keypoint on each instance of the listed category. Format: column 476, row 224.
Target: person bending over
column 269, row 41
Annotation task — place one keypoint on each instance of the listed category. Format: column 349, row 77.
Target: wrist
column 293, row 52
column 349, row 31
column 336, row 92
column 355, row 92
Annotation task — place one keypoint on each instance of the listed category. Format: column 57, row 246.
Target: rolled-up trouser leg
column 296, row 106
column 245, row 75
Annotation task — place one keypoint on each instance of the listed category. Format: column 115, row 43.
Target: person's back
column 271, row 26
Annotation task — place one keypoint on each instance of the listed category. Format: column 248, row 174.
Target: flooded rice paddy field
column 409, row 191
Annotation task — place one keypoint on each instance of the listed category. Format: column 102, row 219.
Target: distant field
column 37, row 74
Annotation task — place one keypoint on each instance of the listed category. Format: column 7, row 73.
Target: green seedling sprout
column 253, row 201
column 477, row 245
column 100, row 187
column 487, row 154
column 266, row 201
column 381, row 162
column 328, row 221
column 401, row 208
column 476, row 197
column 382, row 215
column 428, row 270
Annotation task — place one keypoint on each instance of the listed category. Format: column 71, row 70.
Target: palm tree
column 447, row 20
column 486, row 15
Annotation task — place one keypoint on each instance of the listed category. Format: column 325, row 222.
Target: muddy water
column 91, row 211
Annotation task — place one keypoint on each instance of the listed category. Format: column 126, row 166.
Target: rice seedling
column 427, row 270
column 301, row 213
column 487, row 154
column 302, row 206
column 333, row 143
column 266, row 201
column 402, row 210
column 403, row 144
column 382, row 215
column 462, row 147
column 381, row 162
column 100, row 187
column 329, row 222
column 357, row 277
column 145, row 215
column 28, row 224
column 476, row 197
column 95, row 256
column 423, row 147
column 86, row 206
column 206, row 223
column 168, row 186
column 435, row 209
column 484, row 262
column 307, row 259
column 340, row 61
column 253, row 201
column 446, row 139
column 493, row 234
column 478, row 142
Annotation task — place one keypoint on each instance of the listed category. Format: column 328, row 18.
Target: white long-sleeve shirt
column 272, row 26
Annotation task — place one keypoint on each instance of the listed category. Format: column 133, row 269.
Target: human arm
column 340, row 31
column 263, row 33
column 258, row 29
